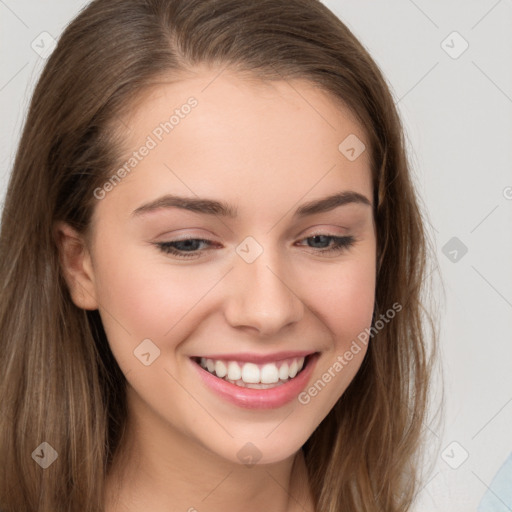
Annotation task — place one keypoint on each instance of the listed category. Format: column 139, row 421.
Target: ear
column 76, row 265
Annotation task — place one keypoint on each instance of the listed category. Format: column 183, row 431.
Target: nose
column 262, row 296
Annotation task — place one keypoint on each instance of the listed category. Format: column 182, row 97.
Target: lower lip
column 249, row 398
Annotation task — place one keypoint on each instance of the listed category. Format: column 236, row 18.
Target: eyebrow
column 213, row 207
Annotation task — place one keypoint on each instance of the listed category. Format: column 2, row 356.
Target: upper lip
column 258, row 358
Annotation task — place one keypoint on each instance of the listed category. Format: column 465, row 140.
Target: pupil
column 316, row 238
column 189, row 244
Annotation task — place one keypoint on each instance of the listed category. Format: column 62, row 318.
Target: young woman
column 212, row 270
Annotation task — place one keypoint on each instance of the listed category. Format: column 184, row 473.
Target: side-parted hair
column 59, row 382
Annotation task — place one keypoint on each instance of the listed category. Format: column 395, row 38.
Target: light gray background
column 457, row 114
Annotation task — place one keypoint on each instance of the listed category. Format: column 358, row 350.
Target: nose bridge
column 262, row 294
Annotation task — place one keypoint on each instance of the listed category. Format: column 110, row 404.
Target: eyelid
column 328, row 231
column 204, row 232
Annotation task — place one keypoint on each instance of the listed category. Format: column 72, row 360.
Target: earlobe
column 75, row 262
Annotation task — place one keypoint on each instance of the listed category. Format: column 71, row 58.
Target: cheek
column 343, row 296
column 149, row 300
column 142, row 298
column 344, row 301
column 356, row 302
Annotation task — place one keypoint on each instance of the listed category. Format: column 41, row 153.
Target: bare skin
column 265, row 149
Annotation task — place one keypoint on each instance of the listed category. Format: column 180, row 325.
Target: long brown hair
column 59, row 381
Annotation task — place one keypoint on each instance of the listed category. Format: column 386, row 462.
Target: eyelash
column 341, row 243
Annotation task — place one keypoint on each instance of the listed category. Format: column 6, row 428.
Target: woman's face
column 260, row 283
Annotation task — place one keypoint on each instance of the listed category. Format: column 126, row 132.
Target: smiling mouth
column 255, row 376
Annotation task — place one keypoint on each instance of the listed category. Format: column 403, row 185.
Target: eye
column 185, row 248
column 340, row 243
column 190, row 247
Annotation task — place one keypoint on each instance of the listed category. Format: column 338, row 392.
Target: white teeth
column 234, row 372
column 283, row 371
column 269, row 374
column 293, row 369
column 220, row 369
column 252, row 375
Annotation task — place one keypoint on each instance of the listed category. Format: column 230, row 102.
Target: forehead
column 245, row 138
column 242, row 101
